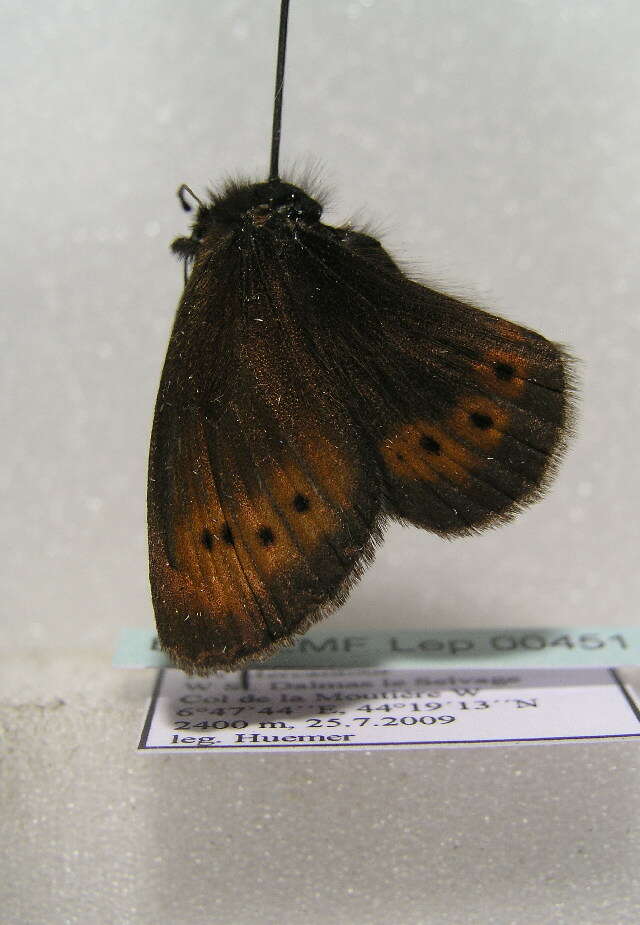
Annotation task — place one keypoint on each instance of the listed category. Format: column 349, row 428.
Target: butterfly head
column 247, row 207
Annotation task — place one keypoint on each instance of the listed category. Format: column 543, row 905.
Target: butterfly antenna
column 182, row 194
column 277, row 101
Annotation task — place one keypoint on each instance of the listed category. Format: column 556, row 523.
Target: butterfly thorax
column 260, row 203
column 248, row 207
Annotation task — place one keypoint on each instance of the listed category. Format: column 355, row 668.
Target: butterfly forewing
column 263, row 499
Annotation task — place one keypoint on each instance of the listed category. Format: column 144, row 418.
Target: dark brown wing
column 263, row 499
column 465, row 412
column 309, row 386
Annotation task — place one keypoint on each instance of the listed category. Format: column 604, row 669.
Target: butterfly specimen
column 311, row 391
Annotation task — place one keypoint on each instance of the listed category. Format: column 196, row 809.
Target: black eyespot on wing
column 504, row 371
column 481, row 421
column 207, row 539
column 266, row 536
column 301, row 503
column 429, row 444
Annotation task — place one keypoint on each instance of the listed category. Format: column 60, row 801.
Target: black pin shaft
column 277, row 100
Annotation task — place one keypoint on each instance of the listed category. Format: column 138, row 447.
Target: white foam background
column 494, row 145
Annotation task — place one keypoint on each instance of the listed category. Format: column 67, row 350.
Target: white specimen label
column 384, row 708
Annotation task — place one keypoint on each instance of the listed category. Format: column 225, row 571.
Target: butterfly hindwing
column 481, row 432
column 466, row 412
